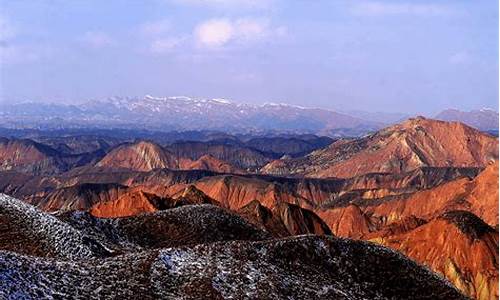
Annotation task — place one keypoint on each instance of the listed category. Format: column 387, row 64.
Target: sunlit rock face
column 400, row 148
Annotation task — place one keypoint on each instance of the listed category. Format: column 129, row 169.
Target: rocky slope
column 190, row 252
column 458, row 245
column 210, row 163
column 78, row 197
column 478, row 195
column 135, row 201
column 147, row 156
column 437, row 227
column 74, row 190
column 30, row 157
column 415, row 143
column 140, row 156
column 130, row 204
column 237, row 191
column 264, row 270
column 239, row 156
column 284, row 219
column 78, row 234
column 27, row 230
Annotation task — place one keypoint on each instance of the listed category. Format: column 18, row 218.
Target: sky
column 394, row 56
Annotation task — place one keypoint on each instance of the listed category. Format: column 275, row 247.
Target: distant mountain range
column 484, row 119
column 185, row 113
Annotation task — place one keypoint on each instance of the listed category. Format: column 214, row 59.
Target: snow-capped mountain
column 185, row 113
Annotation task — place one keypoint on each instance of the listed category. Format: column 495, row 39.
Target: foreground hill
column 252, row 270
column 27, row 230
column 400, row 148
column 77, row 235
column 190, row 268
column 172, row 254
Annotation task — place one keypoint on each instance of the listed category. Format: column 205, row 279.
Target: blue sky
column 395, row 56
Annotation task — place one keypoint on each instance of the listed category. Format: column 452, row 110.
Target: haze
column 394, row 56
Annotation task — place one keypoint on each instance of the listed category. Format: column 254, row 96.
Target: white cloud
column 373, row 8
column 155, row 28
column 95, row 39
column 216, row 33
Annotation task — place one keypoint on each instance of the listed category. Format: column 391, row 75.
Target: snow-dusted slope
column 212, row 254
column 304, row 267
column 25, row 229
column 185, row 225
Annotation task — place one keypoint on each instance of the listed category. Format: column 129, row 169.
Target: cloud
column 96, row 39
column 215, row 33
column 373, row 8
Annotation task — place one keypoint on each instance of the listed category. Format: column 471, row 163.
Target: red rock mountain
column 208, row 162
column 415, row 143
column 130, row 204
column 147, row 156
column 478, row 195
column 79, row 197
column 30, row 157
column 457, row 244
column 140, row 156
column 441, row 227
column 284, row 219
column 241, row 157
column 426, row 188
